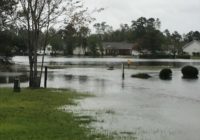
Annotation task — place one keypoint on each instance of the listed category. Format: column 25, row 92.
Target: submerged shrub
column 141, row 75
column 190, row 72
column 165, row 74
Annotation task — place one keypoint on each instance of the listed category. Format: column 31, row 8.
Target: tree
column 7, row 43
column 7, row 11
column 147, row 34
column 173, row 41
column 126, row 34
column 93, row 42
column 102, row 31
column 152, row 41
column 176, row 41
column 139, row 26
column 55, row 40
column 102, row 28
column 35, row 16
column 70, row 39
column 192, row 35
column 82, row 36
column 21, row 40
column 39, row 15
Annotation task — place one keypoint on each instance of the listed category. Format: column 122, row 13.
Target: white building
column 192, row 48
column 48, row 50
column 79, row 51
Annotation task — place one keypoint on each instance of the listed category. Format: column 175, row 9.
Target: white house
column 79, row 51
column 48, row 50
column 192, row 48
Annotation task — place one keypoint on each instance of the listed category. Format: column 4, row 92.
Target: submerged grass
column 33, row 115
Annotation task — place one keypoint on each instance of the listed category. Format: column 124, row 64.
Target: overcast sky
column 180, row 15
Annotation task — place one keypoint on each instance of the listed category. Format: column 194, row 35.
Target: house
column 48, row 50
column 79, row 51
column 192, row 48
column 118, row 48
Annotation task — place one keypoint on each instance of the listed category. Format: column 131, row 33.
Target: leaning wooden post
column 45, row 78
column 123, row 76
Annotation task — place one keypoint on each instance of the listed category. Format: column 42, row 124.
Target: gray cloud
column 180, row 15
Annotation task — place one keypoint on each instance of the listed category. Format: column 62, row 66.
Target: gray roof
column 188, row 44
column 118, row 45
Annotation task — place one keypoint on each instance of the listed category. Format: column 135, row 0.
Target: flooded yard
column 150, row 109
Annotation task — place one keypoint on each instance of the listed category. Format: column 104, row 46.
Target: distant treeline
column 144, row 33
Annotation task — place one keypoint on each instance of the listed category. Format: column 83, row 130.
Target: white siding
column 194, row 47
column 48, row 50
column 79, row 51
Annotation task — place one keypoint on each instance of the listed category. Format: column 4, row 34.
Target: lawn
column 33, row 115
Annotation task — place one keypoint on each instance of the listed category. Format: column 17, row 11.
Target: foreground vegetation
column 33, row 115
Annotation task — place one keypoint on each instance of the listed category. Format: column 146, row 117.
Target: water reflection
column 108, row 61
column 82, row 78
column 123, row 84
column 9, row 73
column 152, row 109
column 101, row 82
column 69, row 77
column 10, row 79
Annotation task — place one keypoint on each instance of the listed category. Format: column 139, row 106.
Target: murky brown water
column 150, row 109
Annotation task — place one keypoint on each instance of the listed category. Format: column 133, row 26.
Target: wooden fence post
column 45, row 77
column 123, row 75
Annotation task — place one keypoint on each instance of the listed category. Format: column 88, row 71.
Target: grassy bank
column 33, row 115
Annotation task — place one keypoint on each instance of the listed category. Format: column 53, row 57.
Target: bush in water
column 190, row 72
column 165, row 74
column 141, row 75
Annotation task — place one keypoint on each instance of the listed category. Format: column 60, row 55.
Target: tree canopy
column 35, row 16
column 7, row 11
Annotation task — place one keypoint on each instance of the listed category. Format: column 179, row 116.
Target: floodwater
column 150, row 109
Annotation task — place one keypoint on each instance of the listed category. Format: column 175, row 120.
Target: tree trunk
column 33, row 46
column 45, row 44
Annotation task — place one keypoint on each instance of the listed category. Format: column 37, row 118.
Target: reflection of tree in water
column 53, row 63
column 10, row 79
column 69, row 77
column 101, row 82
column 21, row 69
column 13, row 68
column 123, row 85
column 82, row 78
column 68, row 63
column 174, row 64
column 24, row 78
column 3, row 79
column 6, row 68
column 50, row 76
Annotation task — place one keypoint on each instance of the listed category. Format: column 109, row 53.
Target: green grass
column 33, row 115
